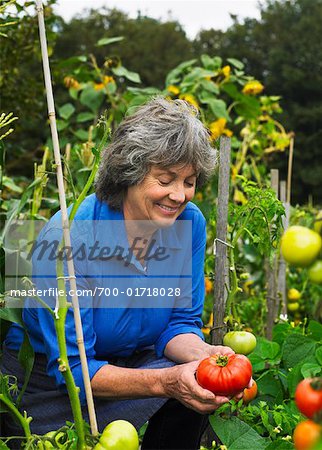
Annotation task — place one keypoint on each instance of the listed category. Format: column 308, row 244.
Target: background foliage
column 282, row 49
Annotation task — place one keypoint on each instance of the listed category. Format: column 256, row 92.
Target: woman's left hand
column 218, row 350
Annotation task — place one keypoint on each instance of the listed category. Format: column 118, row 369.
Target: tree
column 150, row 47
column 22, row 85
column 283, row 49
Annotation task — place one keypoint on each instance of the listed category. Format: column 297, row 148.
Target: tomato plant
column 306, row 435
column 300, row 246
column 224, row 375
column 242, row 342
column 118, row 435
column 308, row 396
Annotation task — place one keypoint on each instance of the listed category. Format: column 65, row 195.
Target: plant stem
column 24, row 422
column 64, row 368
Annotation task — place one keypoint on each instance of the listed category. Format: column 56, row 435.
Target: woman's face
column 161, row 196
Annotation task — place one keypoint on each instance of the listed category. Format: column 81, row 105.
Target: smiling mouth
column 168, row 208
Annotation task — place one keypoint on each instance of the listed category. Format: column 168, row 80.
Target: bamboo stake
column 65, row 221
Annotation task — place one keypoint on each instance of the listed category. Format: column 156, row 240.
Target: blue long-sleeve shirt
column 121, row 324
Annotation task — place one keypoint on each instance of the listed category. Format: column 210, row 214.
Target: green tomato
column 242, row 342
column 300, row 246
column 293, row 306
column 315, row 272
column 118, row 435
column 99, row 446
column 318, row 223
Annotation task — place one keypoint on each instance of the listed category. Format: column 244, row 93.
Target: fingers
column 239, row 396
column 220, row 400
column 221, row 350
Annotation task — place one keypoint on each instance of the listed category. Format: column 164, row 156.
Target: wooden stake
column 289, row 171
column 65, row 221
column 281, row 280
column 221, row 263
column 271, row 274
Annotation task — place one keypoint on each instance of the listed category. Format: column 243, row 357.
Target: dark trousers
column 174, row 427
column 171, row 425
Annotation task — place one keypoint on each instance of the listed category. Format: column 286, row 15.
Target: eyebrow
column 171, row 172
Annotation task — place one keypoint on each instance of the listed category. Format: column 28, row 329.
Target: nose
column 177, row 194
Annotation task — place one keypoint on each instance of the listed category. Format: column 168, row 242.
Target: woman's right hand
column 180, row 382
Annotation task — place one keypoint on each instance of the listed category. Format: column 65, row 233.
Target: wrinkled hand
column 180, row 383
column 219, row 350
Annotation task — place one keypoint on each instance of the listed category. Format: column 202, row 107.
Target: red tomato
column 306, row 435
column 308, row 396
column 224, row 375
column 250, row 394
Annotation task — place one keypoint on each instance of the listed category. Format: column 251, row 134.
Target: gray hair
column 162, row 133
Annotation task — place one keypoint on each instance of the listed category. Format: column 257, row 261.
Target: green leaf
column 268, row 384
column 318, row 355
column 72, row 61
column 146, row 91
column 81, row 135
column 174, row 76
column 3, row 446
column 236, row 434
column 280, row 331
column 280, row 445
column 10, row 184
column 310, row 370
column 209, row 86
column 61, row 124
column 314, row 330
column 26, row 357
column 16, row 206
column 85, row 117
column 107, row 41
column 297, row 348
column 236, row 63
column 12, row 315
column 231, row 90
column 248, row 107
column 66, row 111
column 209, row 63
column 218, row 108
column 73, row 93
column 257, row 361
column 268, row 350
column 294, row 377
column 91, row 98
column 123, row 72
column 196, row 74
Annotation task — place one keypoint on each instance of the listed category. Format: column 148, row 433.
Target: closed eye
column 164, row 183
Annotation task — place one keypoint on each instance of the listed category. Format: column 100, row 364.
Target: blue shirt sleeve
column 188, row 320
column 44, row 277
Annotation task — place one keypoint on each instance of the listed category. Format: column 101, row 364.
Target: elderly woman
column 142, row 357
